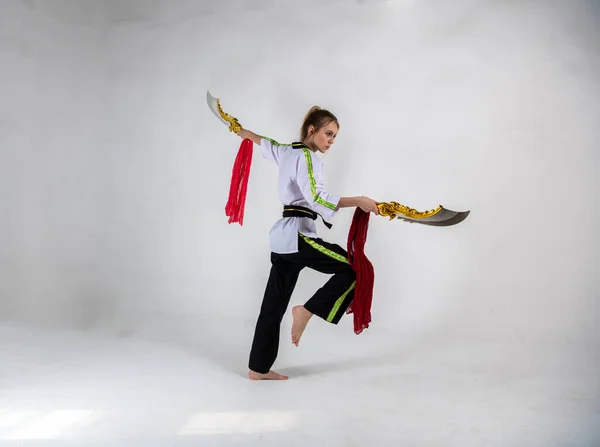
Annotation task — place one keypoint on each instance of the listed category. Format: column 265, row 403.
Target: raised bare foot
column 301, row 317
column 271, row 375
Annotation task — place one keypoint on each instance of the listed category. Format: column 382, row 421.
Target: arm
column 347, row 202
column 310, row 182
column 365, row 204
column 269, row 148
column 243, row 134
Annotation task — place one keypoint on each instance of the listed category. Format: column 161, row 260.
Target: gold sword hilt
column 392, row 209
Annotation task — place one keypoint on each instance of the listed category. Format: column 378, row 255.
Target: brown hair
column 318, row 118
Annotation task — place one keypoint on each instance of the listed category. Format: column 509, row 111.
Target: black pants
column 329, row 302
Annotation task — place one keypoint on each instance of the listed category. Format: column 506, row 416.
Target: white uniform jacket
column 300, row 183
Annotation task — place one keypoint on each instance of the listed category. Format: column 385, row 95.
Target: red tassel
column 363, row 290
column 239, row 183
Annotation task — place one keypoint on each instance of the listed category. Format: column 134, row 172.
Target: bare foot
column 271, row 375
column 301, row 317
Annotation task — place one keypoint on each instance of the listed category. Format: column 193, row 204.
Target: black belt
column 300, row 211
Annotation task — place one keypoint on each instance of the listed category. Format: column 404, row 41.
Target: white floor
column 78, row 389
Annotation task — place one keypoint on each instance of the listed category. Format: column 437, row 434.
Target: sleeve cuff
column 329, row 206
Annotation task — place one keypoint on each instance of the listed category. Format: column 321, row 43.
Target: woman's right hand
column 368, row 205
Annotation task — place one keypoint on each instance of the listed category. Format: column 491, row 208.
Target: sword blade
column 444, row 218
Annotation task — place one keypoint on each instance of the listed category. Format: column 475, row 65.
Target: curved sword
column 439, row 217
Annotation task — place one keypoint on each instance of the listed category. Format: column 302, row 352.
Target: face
column 324, row 138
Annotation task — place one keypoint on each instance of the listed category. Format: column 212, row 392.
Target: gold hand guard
column 234, row 125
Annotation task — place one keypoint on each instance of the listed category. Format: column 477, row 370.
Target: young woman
column 295, row 243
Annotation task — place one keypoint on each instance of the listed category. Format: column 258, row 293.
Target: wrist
column 346, row 202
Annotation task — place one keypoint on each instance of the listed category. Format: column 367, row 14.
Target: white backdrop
column 52, row 125
column 114, row 174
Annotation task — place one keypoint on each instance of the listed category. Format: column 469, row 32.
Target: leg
column 282, row 280
column 330, row 301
